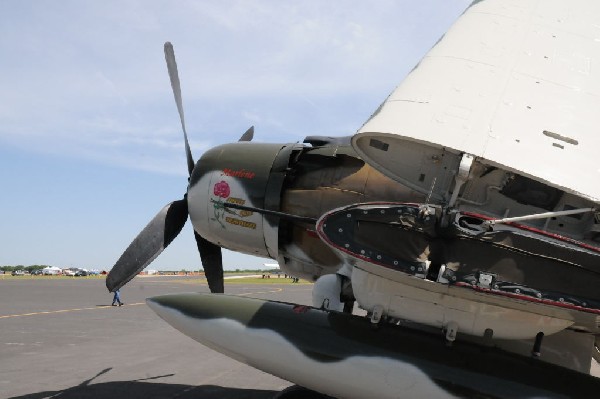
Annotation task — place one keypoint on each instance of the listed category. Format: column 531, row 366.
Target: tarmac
column 60, row 338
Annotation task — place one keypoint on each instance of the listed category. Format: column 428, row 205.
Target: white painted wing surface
column 516, row 82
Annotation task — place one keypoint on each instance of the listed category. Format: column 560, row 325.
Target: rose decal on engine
column 236, row 218
column 222, row 191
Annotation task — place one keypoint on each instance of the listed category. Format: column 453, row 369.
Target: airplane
column 463, row 217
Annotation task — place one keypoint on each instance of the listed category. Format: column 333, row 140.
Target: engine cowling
column 243, row 173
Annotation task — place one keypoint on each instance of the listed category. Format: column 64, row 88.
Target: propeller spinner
column 167, row 224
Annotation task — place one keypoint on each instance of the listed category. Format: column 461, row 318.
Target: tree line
column 21, row 267
column 31, row 268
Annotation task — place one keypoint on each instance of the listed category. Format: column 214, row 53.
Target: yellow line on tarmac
column 109, row 306
column 65, row 310
column 261, row 292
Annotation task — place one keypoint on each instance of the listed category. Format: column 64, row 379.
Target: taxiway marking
column 261, row 292
column 64, row 310
column 276, row 290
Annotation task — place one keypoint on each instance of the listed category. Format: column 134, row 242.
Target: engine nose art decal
column 222, row 191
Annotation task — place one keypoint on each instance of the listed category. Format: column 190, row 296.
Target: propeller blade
column 212, row 262
column 210, row 254
column 176, row 86
column 249, row 135
column 152, row 240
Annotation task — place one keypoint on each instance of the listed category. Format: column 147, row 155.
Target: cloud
column 88, row 80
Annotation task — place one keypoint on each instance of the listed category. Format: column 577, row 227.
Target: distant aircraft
column 463, row 216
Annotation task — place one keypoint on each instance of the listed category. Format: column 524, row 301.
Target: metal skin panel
column 511, row 82
column 342, row 355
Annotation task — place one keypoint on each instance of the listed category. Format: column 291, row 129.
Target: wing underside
column 512, row 83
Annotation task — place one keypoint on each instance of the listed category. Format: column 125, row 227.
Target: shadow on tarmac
column 148, row 390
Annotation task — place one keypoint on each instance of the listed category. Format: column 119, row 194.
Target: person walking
column 117, row 299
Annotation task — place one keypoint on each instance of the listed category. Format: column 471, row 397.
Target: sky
column 91, row 146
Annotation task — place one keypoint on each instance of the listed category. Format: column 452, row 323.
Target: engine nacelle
column 300, row 180
column 243, row 173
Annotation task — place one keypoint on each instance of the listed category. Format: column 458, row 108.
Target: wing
column 512, row 82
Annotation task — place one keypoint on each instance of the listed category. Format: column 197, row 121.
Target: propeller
column 167, row 224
